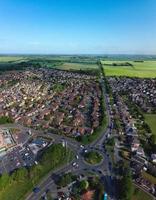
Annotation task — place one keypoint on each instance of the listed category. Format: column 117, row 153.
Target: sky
column 78, row 26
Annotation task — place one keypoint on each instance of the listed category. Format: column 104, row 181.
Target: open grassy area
column 151, row 121
column 10, row 62
column 4, row 59
column 149, row 177
column 93, row 157
column 77, row 66
column 146, row 69
column 22, row 181
column 140, row 195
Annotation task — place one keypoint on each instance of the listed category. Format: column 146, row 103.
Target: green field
column 140, row 195
column 149, row 177
column 93, row 157
column 151, row 121
column 77, row 66
column 51, row 61
column 4, row 59
column 146, row 69
column 22, row 181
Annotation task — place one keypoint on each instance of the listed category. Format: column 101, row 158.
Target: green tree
column 126, row 185
column 83, row 185
column 4, row 180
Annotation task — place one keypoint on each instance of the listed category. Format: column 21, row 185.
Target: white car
column 74, row 164
column 85, row 150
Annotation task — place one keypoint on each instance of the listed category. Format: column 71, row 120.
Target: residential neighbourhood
column 44, row 113
column 68, row 103
column 78, row 100
column 132, row 133
column 141, row 91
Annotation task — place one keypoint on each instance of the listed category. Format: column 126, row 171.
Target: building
column 6, row 140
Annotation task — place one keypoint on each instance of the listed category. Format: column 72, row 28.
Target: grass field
column 151, row 121
column 93, row 157
column 4, row 59
column 77, row 66
column 51, row 61
column 146, row 69
column 149, row 177
column 140, row 195
column 22, row 181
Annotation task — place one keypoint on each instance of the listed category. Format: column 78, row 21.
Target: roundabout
column 93, row 158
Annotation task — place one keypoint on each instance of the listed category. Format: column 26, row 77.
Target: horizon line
column 80, row 54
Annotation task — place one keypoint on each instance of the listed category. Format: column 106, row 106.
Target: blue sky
column 78, row 26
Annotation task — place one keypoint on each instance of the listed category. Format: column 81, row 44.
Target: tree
column 4, row 179
column 83, row 185
column 66, row 179
column 125, row 187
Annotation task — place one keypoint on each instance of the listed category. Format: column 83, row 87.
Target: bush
column 66, row 179
column 5, row 120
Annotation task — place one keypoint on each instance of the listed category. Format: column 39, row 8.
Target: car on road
column 85, row 150
column 36, row 189
column 74, row 164
column 100, row 172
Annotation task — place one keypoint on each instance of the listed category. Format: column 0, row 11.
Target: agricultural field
column 9, row 62
column 4, row 59
column 151, row 121
column 141, row 69
column 77, row 66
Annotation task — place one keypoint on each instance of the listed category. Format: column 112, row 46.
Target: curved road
column 103, row 169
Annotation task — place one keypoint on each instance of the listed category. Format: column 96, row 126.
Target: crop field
column 6, row 59
column 151, row 121
column 51, row 61
column 145, row 69
column 77, row 66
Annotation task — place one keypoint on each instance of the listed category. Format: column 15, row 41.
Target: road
column 103, row 169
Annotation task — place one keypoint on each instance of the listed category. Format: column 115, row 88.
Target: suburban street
column 103, row 169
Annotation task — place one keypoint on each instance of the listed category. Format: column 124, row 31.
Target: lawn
column 151, row 121
column 93, row 157
column 140, row 195
column 22, row 181
column 149, row 177
column 146, row 69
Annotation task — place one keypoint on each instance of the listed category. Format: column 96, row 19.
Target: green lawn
column 149, row 177
column 146, row 69
column 140, row 195
column 151, row 121
column 22, row 181
column 93, row 157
